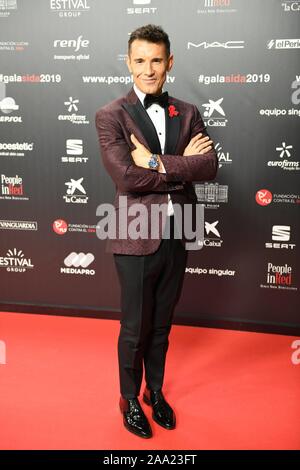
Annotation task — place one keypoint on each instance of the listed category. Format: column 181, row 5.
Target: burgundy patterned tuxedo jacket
column 115, row 122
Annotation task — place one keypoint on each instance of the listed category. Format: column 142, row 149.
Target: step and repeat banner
column 238, row 61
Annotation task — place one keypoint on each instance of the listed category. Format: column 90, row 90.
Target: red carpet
column 59, row 388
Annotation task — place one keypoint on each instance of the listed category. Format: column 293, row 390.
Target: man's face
column 149, row 64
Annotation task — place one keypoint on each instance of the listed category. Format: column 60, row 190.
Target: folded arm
column 117, row 159
column 198, row 167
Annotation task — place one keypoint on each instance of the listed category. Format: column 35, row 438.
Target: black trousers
column 150, row 288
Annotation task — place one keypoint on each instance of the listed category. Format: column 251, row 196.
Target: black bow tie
column 162, row 100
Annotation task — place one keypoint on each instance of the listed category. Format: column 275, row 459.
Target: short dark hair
column 151, row 33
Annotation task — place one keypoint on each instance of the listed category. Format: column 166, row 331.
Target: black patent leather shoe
column 134, row 418
column 162, row 412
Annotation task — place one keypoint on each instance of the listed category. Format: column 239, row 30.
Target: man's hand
column 198, row 145
column 141, row 154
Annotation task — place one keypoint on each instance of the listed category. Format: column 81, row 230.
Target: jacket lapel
column 172, row 133
column 144, row 123
column 140, row 116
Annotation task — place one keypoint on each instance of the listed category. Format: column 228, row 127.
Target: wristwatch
column 153, row 162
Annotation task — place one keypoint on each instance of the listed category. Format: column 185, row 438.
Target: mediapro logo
column 79, row 260
column 77, row 263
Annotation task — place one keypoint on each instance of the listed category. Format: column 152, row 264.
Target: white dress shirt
column 157, row 116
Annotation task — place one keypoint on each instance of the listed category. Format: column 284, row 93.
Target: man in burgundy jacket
column 153, row 146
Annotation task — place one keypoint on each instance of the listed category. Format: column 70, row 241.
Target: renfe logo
column 76, row 44
column 263, row 197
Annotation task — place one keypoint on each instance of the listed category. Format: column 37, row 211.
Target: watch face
column 153, row 163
